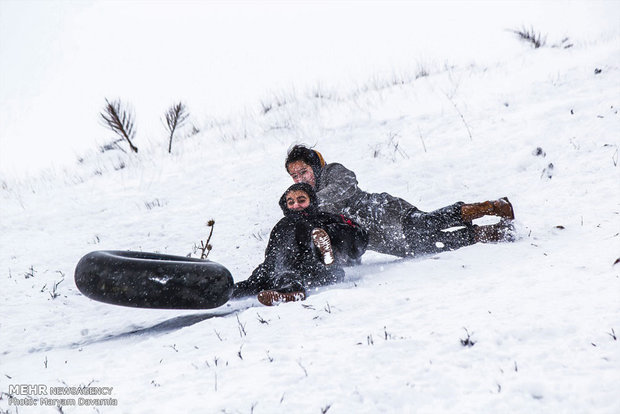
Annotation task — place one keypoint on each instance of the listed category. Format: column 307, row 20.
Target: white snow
column 543, row 313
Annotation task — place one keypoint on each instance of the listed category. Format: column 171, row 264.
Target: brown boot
column 494, row 233
column 501, row 208
column 273, row 297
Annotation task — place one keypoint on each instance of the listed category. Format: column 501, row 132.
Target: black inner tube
column 153, row 280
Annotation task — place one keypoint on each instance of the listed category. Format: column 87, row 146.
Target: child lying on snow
column 306, row 248
column 395, row 226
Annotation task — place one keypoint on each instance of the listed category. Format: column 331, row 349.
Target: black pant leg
column 425, row 233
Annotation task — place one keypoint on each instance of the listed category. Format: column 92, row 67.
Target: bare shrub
column 175, row 118
column 120, row 120
column 531, row 36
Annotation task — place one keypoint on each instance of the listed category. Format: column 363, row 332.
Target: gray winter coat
column 380, row 214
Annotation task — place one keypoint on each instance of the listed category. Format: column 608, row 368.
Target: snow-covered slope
column 542, row 313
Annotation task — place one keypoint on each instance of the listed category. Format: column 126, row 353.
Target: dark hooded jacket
column 379, row 213
column 292, row 262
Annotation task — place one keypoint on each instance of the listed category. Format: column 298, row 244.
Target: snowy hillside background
column 540, row 126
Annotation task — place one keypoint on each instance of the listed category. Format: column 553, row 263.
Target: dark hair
column 306, row 188
column 311, row 157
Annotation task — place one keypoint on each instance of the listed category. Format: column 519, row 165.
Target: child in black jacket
column 307, row 248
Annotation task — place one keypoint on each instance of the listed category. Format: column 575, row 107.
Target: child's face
column 301, row 172
column 297, row 200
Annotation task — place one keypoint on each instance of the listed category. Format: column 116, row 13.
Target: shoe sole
column 506, row 205
column 321, row 240
column 273, row 297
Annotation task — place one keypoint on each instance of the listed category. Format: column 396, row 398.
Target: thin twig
column 421, row 139
column 461, row 115
column 206, row 247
